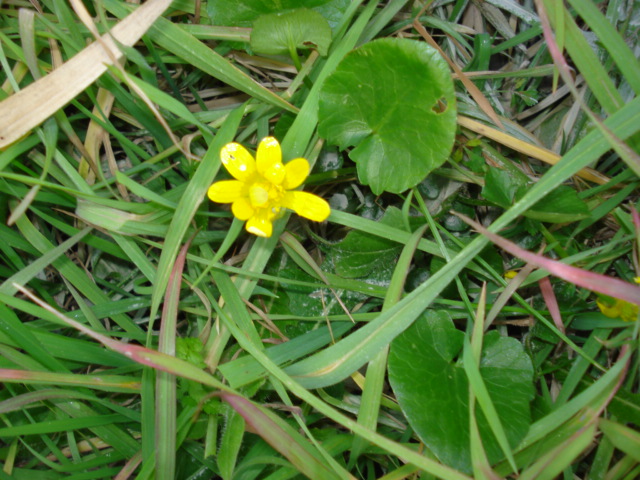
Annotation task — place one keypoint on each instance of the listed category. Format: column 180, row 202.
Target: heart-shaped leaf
column 433, row 391
column 500, row 187
column 280, row 33
column 393, row 100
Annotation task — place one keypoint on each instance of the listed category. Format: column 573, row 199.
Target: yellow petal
column 307, row 205
column 509, row 274
column 225, row 191
column 238, row 161
column 296, row 172
column 628, row 311
column 260, row 224
column 269, row 160
column 242, row 209
column 609, row 310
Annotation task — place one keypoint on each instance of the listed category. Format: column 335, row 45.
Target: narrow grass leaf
column 230, row 443
column 377, row 368
column 143, row 192
column 165, row 382
column 551, row 301
column 481, row 466
column 135, row 254
column 142, row 355
column 245, row 370
column 27, row 39
column 479, row 461
column 171, row 104
column 109, row 383
column 481, row 394
column 26, row 274
column 235, row 307
column 611, row 40
column 585, row 59
column 25, row 339
column 576, row 374
column 550, row 465
column 59, row 426
column 190, row 202
column 592, row 397
column 120, row 221
column 19, row 402
column 385, row 231
column 623, row 438
column 282, row 437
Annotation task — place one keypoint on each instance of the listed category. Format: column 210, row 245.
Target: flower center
column 262, row 194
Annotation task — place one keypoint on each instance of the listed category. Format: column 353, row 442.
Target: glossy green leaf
column 243, row 12
column 281, row 33
column 433, row 390
column 500, row 187
column 559, row 206
column 360, row 253
column 393, row 100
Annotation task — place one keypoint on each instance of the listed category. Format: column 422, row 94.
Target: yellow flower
column 264, row 187
column 509, row 274
column 616, row 308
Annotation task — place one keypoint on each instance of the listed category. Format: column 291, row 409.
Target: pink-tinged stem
column 613, row 287
column 636, row 218
column 265, row 424
column 552, row 302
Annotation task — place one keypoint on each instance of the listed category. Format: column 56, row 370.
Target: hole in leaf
column 440, row 106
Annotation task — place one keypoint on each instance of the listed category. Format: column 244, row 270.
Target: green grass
column 145, row 334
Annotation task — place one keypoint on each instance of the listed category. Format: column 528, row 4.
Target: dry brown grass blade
column 32, row 105
column 96, row 135
column 532, row 151
column 474, row 91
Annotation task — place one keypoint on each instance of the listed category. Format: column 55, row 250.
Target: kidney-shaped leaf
column 393, row 100
column 433, row 391
column 279, row 33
